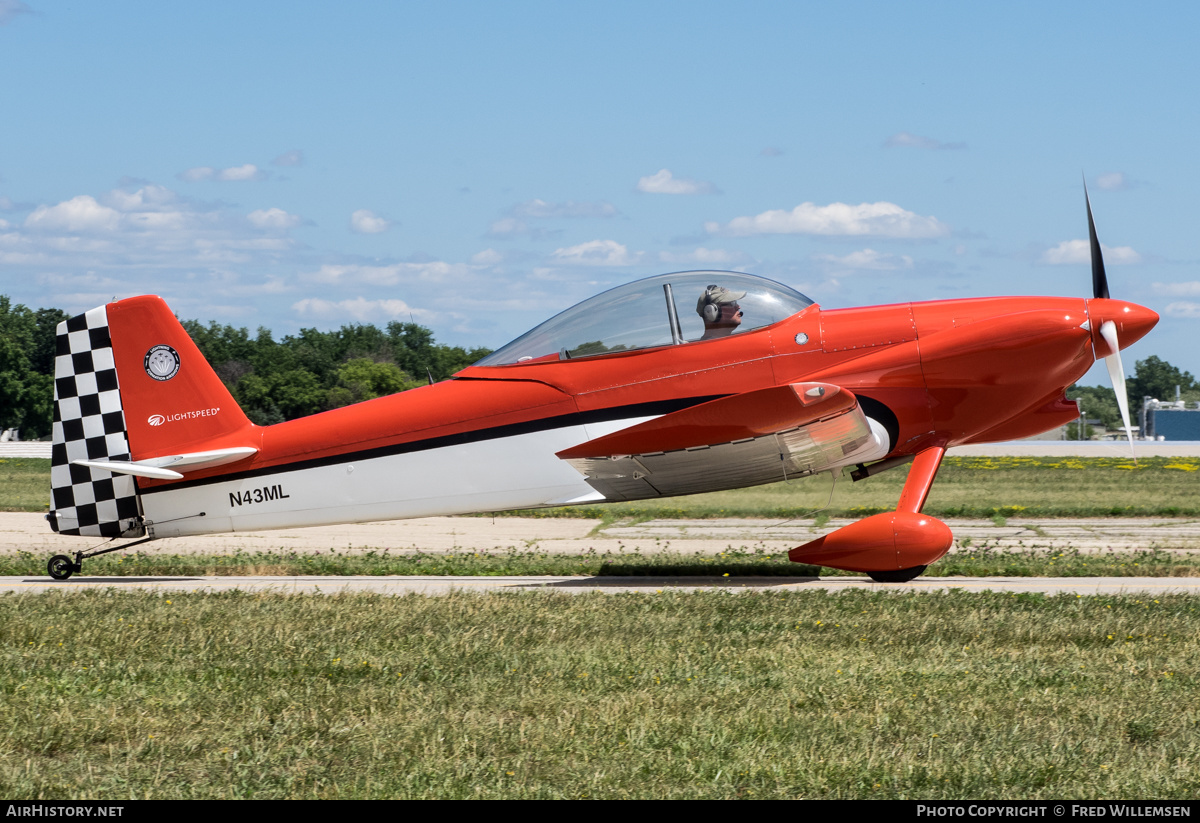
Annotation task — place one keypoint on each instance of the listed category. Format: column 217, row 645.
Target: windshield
column 670, row 309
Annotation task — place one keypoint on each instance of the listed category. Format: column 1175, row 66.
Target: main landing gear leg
column 891, row 547
column 62, row 567
column 912, row 499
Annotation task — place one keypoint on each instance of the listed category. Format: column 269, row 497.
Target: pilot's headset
column 709, row 304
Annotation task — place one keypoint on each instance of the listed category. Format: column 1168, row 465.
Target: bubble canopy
column 658, row 311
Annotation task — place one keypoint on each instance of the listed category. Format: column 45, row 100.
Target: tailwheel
column 61, row 567
column 898, row 575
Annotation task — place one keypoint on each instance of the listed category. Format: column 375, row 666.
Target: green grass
column 969, row 487
column 734, row 562
column 976, row 487
column 24, row 484
column 113, row 695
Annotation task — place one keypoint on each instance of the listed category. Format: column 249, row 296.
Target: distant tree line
column 27, row 367
column 272, row 380
column 315, row 371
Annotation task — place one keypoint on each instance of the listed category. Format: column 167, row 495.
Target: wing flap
column 725, row 420
column 742, row 440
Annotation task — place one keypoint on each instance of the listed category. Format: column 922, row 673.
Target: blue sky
column 480, row 166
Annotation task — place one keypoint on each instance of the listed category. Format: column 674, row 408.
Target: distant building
column 1171, row 420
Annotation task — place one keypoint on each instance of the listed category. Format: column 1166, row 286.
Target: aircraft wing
column 741, row 440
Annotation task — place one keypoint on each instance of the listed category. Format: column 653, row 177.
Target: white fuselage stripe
column 516, row 472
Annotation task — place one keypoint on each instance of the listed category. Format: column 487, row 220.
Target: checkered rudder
column 89, row 425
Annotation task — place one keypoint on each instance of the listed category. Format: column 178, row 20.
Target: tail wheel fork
column 61, row 566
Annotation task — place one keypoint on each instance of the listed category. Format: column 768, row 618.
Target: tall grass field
column 861, row 694
column 114, row 695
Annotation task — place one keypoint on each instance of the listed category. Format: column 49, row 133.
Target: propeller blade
column 1116, row 374
column 1099, row 279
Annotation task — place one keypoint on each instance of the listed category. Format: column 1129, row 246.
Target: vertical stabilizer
column 130, row 385
column 173, row 400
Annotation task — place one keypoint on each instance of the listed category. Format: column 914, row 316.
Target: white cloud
column 147, row 239
column 516, row 221
column 508, row 226
column 663, row 182
column 1114, row 181
column 273, row 218
column 249, row 171
column 704, row 257
column 149, row 209
column 198, row 173
column 295, row 157
column 1080, row 251
column 10, row 9
column 390, row 275
column 1188, row 289
column 596, row 253
column 868, row 259
column 487, row 257
column 82, row 214
column 148, row 197
column 873, row 219
column 7, row 204
column 365, row 221
column 543, row 210
column 359, row 309
column 904, row 139
column 1182, row 308
column 246, row 172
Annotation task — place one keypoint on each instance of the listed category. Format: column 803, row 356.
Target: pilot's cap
column 715, row 296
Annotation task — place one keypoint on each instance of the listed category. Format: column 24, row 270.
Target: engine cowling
column 883, row 542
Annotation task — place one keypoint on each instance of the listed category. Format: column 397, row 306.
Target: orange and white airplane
column 676, row 384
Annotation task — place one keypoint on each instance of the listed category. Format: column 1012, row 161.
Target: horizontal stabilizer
column 170, row 466
column 125, row 467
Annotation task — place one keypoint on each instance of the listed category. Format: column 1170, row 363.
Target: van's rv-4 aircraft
column 631, row 394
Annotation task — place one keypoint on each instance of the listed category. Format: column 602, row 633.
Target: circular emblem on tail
column 162, row 362
column 156, row 420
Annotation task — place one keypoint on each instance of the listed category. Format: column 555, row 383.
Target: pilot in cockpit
column 719, row 309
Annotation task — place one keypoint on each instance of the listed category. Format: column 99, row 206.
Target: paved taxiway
column 28, row 532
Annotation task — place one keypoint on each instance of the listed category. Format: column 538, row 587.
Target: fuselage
column 944, row 372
